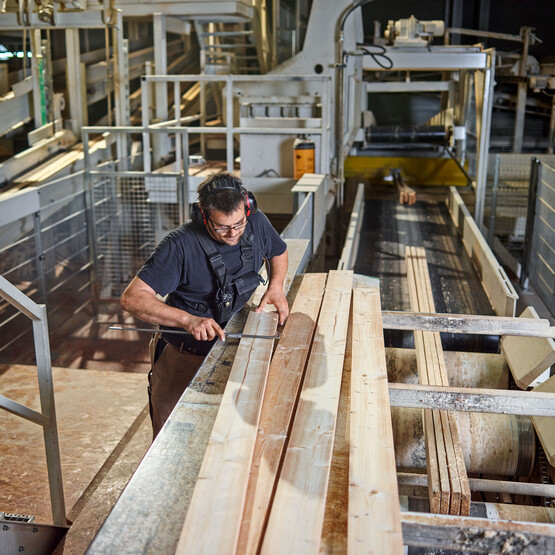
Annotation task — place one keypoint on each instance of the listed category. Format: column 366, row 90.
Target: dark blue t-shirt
column 179, row 268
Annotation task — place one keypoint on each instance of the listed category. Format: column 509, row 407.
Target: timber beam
column 467, row 323
column 479, row 535
column 471, row 399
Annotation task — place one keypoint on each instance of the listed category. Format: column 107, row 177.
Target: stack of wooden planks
column 448, row 487
column 264, row 479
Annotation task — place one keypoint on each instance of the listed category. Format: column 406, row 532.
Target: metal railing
column 44, row 251
column 47, row 417
column 231, row 112
column 538, row 264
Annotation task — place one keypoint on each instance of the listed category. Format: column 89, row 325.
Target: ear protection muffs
column 197, row 214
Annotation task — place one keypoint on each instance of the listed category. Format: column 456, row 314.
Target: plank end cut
column 528, row 357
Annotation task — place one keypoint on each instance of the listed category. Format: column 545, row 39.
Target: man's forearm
column 278, row 270
column 141, row 301
column 155, row 311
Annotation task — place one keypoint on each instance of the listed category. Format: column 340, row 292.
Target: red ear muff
column 247, row 206
column 250, row 203
column 203, row 215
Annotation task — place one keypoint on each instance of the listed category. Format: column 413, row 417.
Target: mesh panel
column 131, row 215
column 542, row 252
column 511, row 206
column 471, row 132
column 45, row 255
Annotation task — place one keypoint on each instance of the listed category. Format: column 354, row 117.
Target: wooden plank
column 528, row 357
column 297, row 252
column 545, row 427
column 295, row 522
column 441, row 422
column 467, row 323
column 470, row 399
column 426, row 303
column 479, row 535
column 432, row 455
column 336, row 516
column 286, row 370
column 213, row 520
column 374, row 513
column 497, row 285
column 460, row 491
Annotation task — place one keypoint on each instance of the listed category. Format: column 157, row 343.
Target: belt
column 179, row 345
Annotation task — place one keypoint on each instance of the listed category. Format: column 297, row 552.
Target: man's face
column 224, row 228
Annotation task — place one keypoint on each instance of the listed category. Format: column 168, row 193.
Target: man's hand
column 203, row 329
column 275, row 296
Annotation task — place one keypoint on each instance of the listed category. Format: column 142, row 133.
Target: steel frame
column 47, row 417
column 455, row 59
column 229, row 129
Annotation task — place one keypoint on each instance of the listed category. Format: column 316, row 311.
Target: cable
column 268, row 172
column 380, row 53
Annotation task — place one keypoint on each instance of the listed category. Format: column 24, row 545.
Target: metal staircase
column 232, row 47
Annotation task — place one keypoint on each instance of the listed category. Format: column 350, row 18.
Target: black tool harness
column 231, row 295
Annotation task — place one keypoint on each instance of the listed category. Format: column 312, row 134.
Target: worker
column 208, row 269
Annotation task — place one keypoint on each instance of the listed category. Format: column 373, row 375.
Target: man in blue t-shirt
column 207, row 270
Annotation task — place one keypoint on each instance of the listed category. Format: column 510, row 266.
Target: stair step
column 211, row 46
column 228, row 34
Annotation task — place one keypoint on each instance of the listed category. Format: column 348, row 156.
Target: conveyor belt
column 387, row 228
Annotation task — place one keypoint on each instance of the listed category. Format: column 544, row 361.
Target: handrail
column 47, row 417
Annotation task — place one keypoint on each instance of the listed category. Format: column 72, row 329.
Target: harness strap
column 215, row 258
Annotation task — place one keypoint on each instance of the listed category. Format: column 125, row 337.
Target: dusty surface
column 95, row 410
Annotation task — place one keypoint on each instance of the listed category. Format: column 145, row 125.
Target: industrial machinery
column 358, row 151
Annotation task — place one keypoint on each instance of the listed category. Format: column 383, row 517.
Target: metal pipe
column 493, row 209
column 339, row 93
column 530, row 220
column 480, row 484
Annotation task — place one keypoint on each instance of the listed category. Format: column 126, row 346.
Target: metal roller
column 377, row 134
column 499, row 444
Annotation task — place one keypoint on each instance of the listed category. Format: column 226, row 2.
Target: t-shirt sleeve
column 274, row 245
column 163, row 270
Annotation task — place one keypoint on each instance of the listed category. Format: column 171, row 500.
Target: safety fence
column 79, row 240
column 519, row 217
column 45, row 252
column 539, row 250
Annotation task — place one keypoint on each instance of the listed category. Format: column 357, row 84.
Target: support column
column 520, row 115
column 161, row 142
column 121, row 88
column 75, row 79
column 484, row 83
column 37, row 71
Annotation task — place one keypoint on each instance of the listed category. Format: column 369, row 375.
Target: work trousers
column 171, row 372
